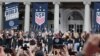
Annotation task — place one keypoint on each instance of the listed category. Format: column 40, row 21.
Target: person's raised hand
column 65, row 51
column 2, row 53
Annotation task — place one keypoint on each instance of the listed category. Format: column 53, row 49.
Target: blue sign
column 11, row 15
column 96, row 18
column 39, row 16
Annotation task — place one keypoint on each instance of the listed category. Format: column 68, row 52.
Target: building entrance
column 75, row 22
column 76, row 27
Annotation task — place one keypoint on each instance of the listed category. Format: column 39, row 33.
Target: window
column 76, row 27
column 75, row 16
column 71, row 26
column 79, row 28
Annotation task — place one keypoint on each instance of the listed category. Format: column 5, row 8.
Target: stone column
column 1, row 19
column 56, row 16
column 87, row 20
column 27, row 17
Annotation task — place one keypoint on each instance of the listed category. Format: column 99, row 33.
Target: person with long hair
column 76, row 42
column 50, row 41
column 20, row 38
column 8, row 40
column 70, row 41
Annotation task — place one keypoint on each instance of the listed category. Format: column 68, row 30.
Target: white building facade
column 65, row 19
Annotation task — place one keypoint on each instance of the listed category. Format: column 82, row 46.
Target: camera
column 25, row 46
column 58, row 42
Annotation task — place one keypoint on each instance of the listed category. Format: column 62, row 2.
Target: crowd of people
column 41, row 43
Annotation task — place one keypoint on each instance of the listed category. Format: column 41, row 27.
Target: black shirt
column 77, row 40
column 50, row 40
column 70, row 41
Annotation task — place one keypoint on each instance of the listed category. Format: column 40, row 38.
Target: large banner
column 11, row 16
column 96, row 18
column 39, row 16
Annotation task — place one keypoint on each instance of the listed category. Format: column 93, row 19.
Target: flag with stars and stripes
column 40, row 11
column 96, row 19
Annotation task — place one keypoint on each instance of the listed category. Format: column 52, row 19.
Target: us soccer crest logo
column 98, row 16
column 40, row 18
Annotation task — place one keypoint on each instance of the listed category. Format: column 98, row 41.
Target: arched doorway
column 75, row 21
